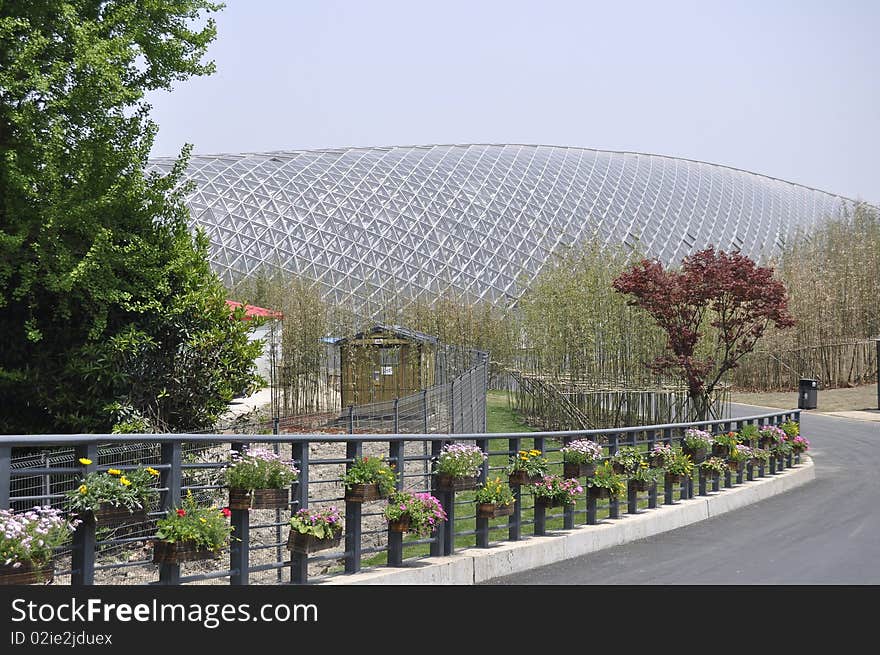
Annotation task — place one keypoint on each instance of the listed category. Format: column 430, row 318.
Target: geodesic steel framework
column 478, row 220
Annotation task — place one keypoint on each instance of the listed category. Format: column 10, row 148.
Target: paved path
column 826, row 532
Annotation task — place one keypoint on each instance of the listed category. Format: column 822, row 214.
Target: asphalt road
column 825, row 532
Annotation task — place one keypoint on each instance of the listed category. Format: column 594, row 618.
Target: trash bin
column 807, row 392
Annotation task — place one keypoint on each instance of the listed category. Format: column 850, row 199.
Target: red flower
column 226, row 512
column 181, row 512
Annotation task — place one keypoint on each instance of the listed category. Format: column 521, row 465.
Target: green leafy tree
column 109, row 313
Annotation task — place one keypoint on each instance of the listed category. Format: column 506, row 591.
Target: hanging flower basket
column 175, row 552
column 109, row 515
column 711, row 475
column 362, row 493
column 518, row 478
column 401, row 525
column 493, row 511
column 578, row 470
column 719, row 450
column 639, row 485
column 447, row 482
column 27, row 573
column 618, row 468
column 258, row 498
column 673, row 478
column 303, row 544
column 597, row 492
column 697, row 454
column 735, row 467
column 548, row 502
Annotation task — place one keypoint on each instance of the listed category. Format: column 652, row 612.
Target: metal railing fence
column 195, row 462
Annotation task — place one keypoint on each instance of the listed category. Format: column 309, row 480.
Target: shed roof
column 399, row 330
column 251, row 311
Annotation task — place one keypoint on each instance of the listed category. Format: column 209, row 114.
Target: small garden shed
column 385, row 363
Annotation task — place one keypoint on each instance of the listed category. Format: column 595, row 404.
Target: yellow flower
column 114, row 471
column 534, row 452
column 152, row 471
column 83, row 489
column 203, row 520
column 125, row 481
column 84, row 461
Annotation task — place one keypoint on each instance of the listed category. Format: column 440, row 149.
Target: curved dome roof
column 477, row 219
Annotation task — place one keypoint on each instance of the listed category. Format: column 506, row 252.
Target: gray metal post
column 482, row 525
column 614, row 501
column 395, row 454
column 437, row 543
column 395, row 426
column 514, row 521
column 568, row 510
column 172, row 479
column 652, row 490
column 591, row 509
column 353, row 513
column 632, row 498
column 238, row 547
column 5, row 476
column 299, row 564
column 351, row 419
column 83, row 552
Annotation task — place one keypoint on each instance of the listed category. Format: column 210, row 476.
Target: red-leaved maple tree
column 729, row 290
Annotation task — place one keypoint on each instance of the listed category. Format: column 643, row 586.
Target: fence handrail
column 19, row 441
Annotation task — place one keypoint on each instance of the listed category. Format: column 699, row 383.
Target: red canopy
column 252, row 310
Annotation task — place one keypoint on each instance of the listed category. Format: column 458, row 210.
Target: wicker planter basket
column 639, row 485
column 303, row 544
column 179, row 551
column 363, row 493
column 720, row 451
column 27, row 574
column 493, row 511
column 108, row 516
column 258, row 498
column 518, row 478
column 548, row 502
column 672, row 478
column 697, row 454
column 400, row 526
column 597, row 492
column 447, row 482
column 578, row 470
column 735, row 467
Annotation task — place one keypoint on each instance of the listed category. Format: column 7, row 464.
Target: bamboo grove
column 572, row 331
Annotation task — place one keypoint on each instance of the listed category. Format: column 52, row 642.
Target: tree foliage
column 728, row 292
column 108, row 310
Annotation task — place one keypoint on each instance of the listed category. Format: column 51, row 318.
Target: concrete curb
column 472, row 565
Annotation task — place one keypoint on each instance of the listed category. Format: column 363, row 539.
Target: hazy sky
column 787, row 89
